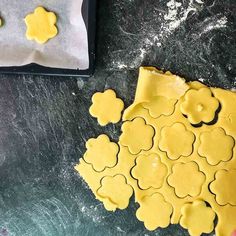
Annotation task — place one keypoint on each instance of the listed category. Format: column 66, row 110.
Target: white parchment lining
column 69, row 49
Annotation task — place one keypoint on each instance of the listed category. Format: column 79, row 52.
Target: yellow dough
column 183, row 145
column 197, row 218
column 167, row 106
column 101, row 153
column 199, row 106
column 186, row 179
column 154, row 211
column 225, row 194
column 216, row 146
column 116, row 191
column 41, row 25
column 137, row 135
column 176, row 151
column 149, row 171
column 106, row 107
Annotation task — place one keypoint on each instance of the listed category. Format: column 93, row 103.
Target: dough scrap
column 192, row 165
column 41, row 25
column 106, row 107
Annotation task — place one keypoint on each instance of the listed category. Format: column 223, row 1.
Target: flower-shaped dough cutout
column 216, row 146
column 101, row 152
column 197, row 217
column 224, row 187
column 176, row 141
column 160, row 105
column 199, row 106
column 149, row 171
column 106, row 107
column 137, row 135
column 191, row 186
column 186, row 179
column 41, row 25
column 154, row 211
column 115, row 191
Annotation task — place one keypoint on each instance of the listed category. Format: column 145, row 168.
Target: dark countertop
column 44, row 122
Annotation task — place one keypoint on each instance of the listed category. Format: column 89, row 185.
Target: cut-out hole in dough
column 159, row 106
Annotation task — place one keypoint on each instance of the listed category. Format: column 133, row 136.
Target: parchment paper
column 69, row 49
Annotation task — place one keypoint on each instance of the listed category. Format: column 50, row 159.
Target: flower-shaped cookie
column 177, row 141
column 216, row 146
column 101, row 153
column 106, row 107
column 186, row 179
column 197, row 218
column 160, row 105
column 149, row 171
column 137, row 135
column 224, row 187
column 115, row 192
column 154, row 211
column 199, row 106
column 41, row 25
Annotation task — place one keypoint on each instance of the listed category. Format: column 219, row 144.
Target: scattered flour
column 169, row 19
column 219, row 23
column 92, row 212
column 80, row 83
column 121, row 65
column 202, row 80
column 175, row 14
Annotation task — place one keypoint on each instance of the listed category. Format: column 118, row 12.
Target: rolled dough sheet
column 177, row 149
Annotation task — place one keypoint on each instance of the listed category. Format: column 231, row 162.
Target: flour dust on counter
column 176, row 35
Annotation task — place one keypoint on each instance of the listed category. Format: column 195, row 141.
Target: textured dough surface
column 174, row 132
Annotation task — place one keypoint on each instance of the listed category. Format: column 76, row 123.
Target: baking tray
column 89, row 16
